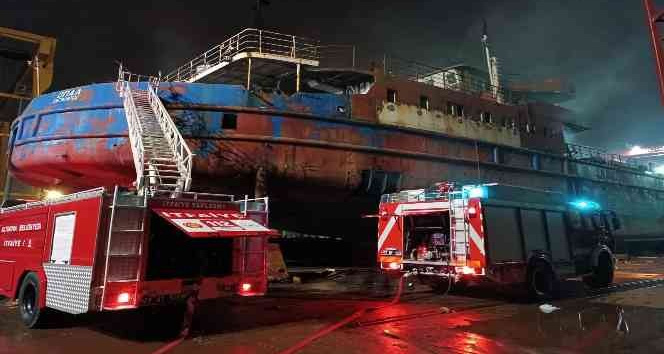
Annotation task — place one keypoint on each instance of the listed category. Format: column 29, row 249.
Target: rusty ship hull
column 325, row 158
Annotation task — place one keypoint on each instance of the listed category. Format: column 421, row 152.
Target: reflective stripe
column 386, row 231
column 420, row 206
column 388, row 228
column 477, row 240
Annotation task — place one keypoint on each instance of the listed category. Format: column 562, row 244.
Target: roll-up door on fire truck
column 213, row 223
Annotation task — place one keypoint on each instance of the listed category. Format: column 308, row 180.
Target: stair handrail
column 135, row 130
column 179, row 147
column 249, row 41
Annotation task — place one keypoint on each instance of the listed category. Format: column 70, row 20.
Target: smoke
column 602, row 47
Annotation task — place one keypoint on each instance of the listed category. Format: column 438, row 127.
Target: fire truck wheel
column 602, row 274
column 542, row 282
column 28, row 302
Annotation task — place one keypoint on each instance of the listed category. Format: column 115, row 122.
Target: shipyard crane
column 38, row 63
column 26, row 60
column 655, row 18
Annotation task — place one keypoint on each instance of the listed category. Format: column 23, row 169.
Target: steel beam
column 652, row 18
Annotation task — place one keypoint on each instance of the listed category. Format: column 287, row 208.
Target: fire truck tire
column 602, row 274
column 542, row 282
column 28, row 302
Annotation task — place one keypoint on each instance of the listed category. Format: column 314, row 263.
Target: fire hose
column 191, row 303
column 357, row 314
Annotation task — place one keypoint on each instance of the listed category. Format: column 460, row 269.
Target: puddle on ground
column 580, row 326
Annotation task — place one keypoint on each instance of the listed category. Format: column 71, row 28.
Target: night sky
column 602, row 46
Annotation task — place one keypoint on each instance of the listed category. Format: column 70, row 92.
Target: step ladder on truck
column 456, row 236
column 115, row 249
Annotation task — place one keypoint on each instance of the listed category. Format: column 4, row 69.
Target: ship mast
column 492, row 66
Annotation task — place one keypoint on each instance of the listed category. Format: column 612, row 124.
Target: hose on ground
column 357, row 314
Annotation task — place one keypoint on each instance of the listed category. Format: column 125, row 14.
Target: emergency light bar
column 583, row 204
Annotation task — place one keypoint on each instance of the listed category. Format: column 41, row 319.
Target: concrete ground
column 629, row 318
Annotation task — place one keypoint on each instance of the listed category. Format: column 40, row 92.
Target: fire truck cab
column 103, row 251
column 456, row 236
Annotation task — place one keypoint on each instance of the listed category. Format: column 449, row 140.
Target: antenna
column 485, row 34
column 492, row 64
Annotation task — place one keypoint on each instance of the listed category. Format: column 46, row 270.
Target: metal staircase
column 162, row 159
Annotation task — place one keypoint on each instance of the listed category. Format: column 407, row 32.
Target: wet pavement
column 626, row 319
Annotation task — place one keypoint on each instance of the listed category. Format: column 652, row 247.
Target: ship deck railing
column 450, row 78
column 249, row 43
column 414, row 195
column 590, row 153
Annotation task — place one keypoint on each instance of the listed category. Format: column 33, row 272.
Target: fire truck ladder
column 458, row 227
column 162, row 159
column 125, row 241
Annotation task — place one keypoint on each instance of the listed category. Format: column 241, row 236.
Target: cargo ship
column 282, row 115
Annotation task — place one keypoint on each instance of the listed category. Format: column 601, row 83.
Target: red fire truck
column 505, row 234
column 102, row 250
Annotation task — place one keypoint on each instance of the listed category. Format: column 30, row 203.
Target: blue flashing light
column 585, row 204
column 476, row 192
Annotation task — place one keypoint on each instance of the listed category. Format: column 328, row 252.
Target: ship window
column 28, row 127
column 424, row 102
column 497, row 155
column 229, row 121
column 535, row 161
column 486, row 117
column 391, row 96
column 455, row 110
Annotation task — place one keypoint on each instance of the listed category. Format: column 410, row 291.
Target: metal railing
column 413, row 195
column 338, row 56
column 254, row 204
column 259, row 205
column 123, row 86
column 177, row 144
column 183, row 155
column 582, row 152
column 447, row 78
column 249, row 40
column 63, row 199
column 141, row 82
column 196, row 196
